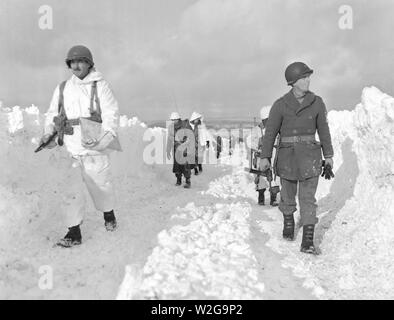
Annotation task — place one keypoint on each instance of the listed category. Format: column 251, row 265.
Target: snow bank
column 32, row 184
column 209, row 258
column 232, row 186
column 358, row 245
column 356, row 213
column 356, row 209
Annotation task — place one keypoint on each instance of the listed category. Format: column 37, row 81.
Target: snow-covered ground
column 211, row 241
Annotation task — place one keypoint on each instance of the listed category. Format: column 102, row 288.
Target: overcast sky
column 223, row 58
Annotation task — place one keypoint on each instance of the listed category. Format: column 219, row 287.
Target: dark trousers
column 183, row 169
column 306, row 198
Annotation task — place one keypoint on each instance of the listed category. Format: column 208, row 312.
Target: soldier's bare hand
column 45, row 138
column 330, row 162
column 89, row 143
column 264, row 164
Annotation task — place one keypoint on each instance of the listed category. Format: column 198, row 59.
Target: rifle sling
column 95, row 114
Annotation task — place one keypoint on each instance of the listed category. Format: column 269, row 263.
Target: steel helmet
column 175, row 116
column 195, row 116
column 79, row 52
column 264, row 112
column 296, row 71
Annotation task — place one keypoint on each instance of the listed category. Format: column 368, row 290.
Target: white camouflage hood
column 93, row 75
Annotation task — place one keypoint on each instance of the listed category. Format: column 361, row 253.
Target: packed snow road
column 216, row 251
column 219, row 236
column 95, row 269
column 193, row 243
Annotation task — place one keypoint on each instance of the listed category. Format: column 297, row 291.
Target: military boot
column 72, row 238
column 110, row 221
column 261, row 200
column 196, row 171
column 288, row 227
column 178, row 180
column 187, row 183
column 200, row 167
column 273, row 201
column 273, row 193
column 307, row 245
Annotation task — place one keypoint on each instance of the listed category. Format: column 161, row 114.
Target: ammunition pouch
column 62, row 127
column 62, row 124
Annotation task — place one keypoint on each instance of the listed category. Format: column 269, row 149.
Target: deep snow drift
column 206, row 251
column 32, row 191
column 29, row 181
column 358, row 244
column 356, row 213
column 356, row 209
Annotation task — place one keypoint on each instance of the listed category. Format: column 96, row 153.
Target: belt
column 76, row 122
column 295, row 139
column 73, row 122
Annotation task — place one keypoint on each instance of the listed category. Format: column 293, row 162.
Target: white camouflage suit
column 256, row 134
column 203, row 136
column 94, row 165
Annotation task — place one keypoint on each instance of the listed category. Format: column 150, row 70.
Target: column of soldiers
column 86, row 98
column 187, row 141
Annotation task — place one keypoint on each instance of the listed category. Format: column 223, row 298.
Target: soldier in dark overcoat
column 297, row 116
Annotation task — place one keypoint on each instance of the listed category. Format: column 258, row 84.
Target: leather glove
column 327, row 169
column 45, row 139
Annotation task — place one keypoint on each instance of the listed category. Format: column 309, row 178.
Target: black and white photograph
column 214, row 151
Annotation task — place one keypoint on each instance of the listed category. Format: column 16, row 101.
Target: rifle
column 267, row 173
column 44, row 144
column 62, row 127
column 254, row 155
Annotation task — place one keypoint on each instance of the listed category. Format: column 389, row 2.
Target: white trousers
column 264, row 184
column 96, row 175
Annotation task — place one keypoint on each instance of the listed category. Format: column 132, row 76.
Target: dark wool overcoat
column 298, row 160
